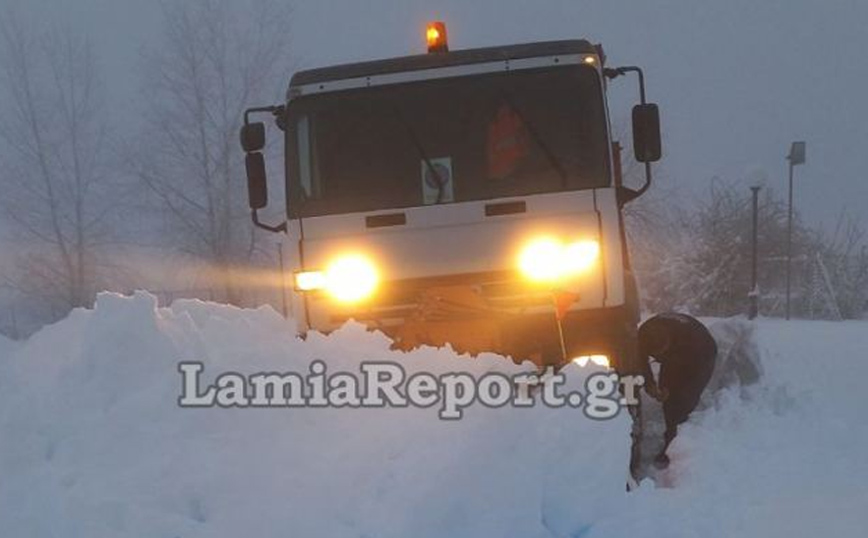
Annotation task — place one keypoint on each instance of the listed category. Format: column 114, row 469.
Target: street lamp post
column 754, row 285
column 795, row 158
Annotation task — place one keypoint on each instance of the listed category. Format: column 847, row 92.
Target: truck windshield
column 448, row 140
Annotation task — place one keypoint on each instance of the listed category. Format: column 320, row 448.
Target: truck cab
column 469, row 198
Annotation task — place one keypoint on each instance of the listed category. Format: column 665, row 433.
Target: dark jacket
column 686, row 361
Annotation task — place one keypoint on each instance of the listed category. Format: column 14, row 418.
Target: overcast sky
column 736, row 80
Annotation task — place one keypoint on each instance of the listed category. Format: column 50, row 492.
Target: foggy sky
column 737, row 81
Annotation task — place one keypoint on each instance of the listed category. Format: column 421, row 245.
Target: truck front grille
column 500, row 293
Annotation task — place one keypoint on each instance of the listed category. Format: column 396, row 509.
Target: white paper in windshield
column 437, row 183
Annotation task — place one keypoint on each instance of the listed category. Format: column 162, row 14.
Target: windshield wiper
column 414, row 139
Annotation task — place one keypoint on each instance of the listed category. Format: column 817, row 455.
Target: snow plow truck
column 464, row 197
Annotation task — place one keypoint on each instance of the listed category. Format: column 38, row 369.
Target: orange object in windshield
column 507, row 143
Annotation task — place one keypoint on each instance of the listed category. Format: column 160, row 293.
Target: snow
column 6, row 346
column 92, row 442
column 786, row 460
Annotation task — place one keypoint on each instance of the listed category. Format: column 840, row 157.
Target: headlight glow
column 548, row 260
column 541, row 260
column 348, row 279
column 352, row 278
column 580, row 256
column 599, row 360
column 310, row 280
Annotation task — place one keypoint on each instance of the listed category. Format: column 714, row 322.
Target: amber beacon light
column 435, row 35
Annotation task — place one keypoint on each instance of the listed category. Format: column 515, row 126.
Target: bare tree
column 696, row 257
column 214, row 60
column 842, row 269
column 56, row 198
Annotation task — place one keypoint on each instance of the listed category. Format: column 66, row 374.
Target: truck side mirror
column 253, row 137
column 646, row 133
column 257, row 184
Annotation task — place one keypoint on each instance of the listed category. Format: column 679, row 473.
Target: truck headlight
column 599, row 360
column 549, row 260
column 310, row 280
column 580, row 256
column 348, row 279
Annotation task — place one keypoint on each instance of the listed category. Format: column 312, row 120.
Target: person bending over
column 686, row 352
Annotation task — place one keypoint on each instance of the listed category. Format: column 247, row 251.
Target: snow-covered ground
column 92, row 442
column 7, row 346
column 783, row 458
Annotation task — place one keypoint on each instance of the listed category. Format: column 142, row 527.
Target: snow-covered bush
column 697, row 257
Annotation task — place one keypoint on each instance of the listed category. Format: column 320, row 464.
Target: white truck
column 468, row 197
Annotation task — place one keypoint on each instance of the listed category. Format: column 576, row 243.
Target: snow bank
column 784, row 457
column 92, row 442
column 6, row 347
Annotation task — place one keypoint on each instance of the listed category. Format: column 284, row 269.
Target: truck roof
column 443, row 59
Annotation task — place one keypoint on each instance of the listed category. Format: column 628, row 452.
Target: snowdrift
column 781, row 458
column 92, row 442
column 7, row 346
